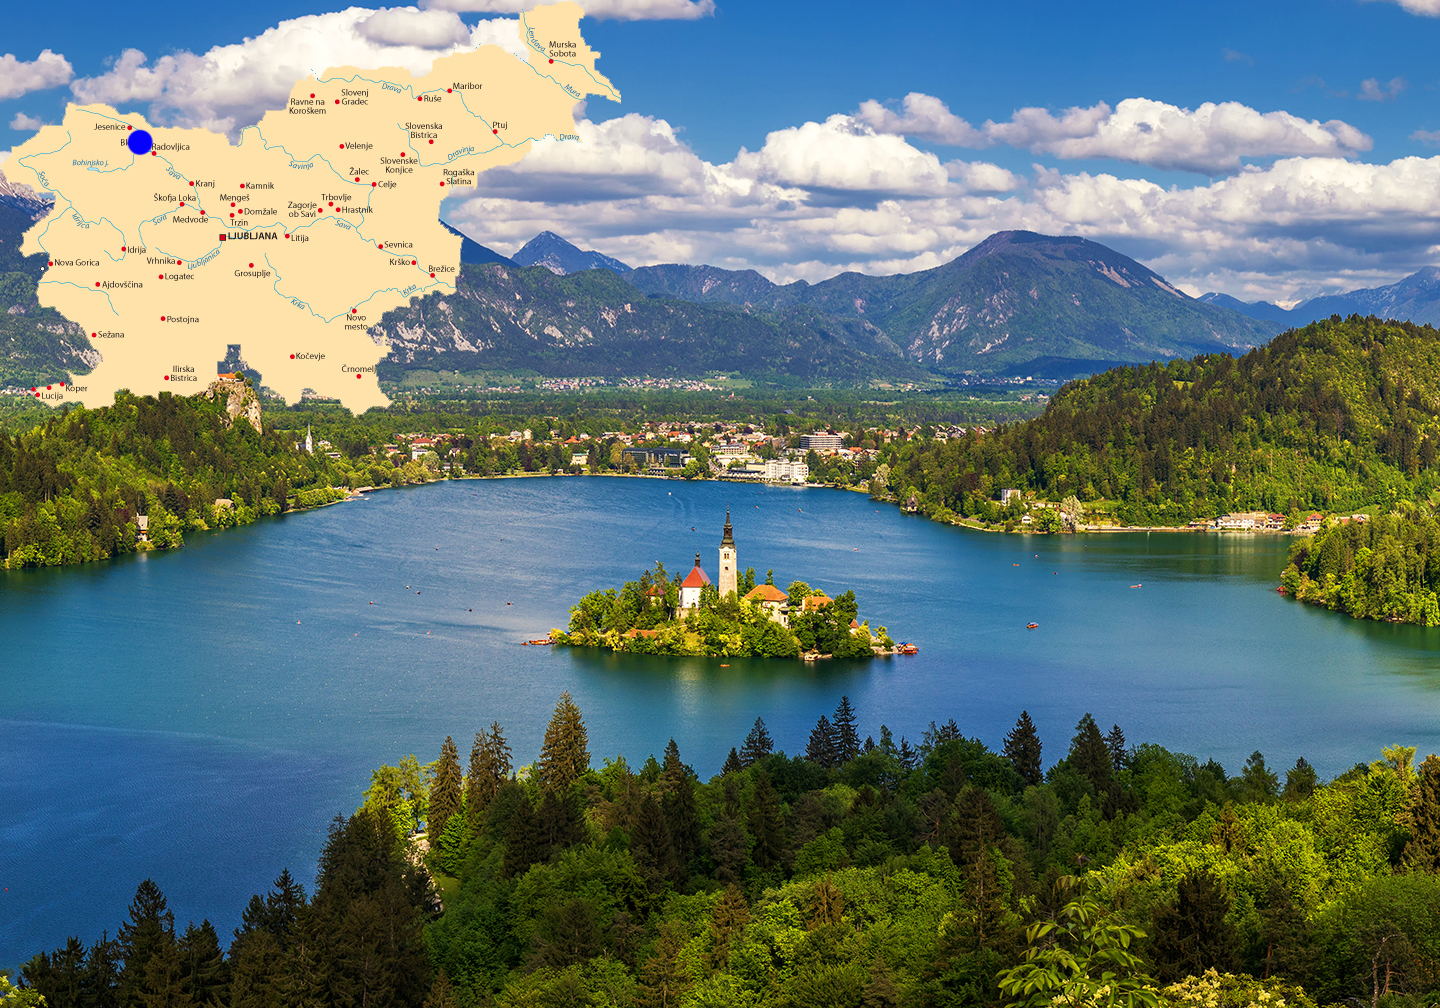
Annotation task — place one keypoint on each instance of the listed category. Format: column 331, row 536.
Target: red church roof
column 696, row 579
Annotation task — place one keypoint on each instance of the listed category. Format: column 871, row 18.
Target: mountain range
column 1414, row 299
column 1019, row 303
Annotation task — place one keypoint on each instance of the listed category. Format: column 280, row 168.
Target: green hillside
column 37, row 345
column 1335, row 416
column 595, row 323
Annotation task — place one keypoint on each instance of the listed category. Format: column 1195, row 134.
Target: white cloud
column 843, row 155
column 407, row 26
column 1430, row 138
column 47, row 70
column 232, row 86
column 1426, row 8
column 615, row 10
column 1210, row 140
column 1235, row 56
column 1373, row 90
column 23, row 121
column 825, row 197
column 925, row 117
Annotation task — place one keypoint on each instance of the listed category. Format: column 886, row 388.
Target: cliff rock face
column 595, row 323
column 240, row 400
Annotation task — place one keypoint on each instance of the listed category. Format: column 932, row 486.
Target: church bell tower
column 727, row 582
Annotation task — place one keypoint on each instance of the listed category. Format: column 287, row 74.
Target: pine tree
column 150, row 931
column 758, row 744
column 1257, row 781
column 679, row 806
column 650, row 843
column 1192, row 935
column 565, row 756
column 445, row 792
column 823, row 746
column 1300, row 781
column 442, row 992
column 559, row 824
column 1115, row 742
column 489, row 768
column 880, row 991
column 732, row 763
column 522, row 839
column 766, row 824
column 907, row 755
column 1422, row 852
column 204, row 974
column 101, row 983
column 1089, row 755
column 847, row 738
column 1022, row 749
column 566, row 934
column 663, row 980
column 731, row 916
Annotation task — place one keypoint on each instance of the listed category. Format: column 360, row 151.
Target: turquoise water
column 199, row 716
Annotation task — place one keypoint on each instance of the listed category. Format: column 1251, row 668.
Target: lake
column 199, row 716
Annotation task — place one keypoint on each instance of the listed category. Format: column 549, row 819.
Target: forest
column 644, row 617
column 1333, row 416
column 861, row 872
column 1385, row 568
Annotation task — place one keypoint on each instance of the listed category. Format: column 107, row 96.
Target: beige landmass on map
column 294, row 241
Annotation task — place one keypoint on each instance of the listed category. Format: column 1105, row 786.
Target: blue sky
column 774, row 135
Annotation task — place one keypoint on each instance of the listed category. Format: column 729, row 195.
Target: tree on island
column 565, row 756
column 1022, row 749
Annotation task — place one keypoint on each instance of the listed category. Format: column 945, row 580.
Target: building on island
column 691, row 587
column 728, row 581
column 814, row 602
column 655, row 595
column 772, row 600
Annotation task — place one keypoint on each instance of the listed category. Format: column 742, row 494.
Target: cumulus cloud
column 407, row 26
column 47, row 70
column 1426, row 8
column 24, row 121
column 1373, row 90
column 843, row 155
column 232, row 86
column 1211, row 139
column 614, row 10
column 824, row 197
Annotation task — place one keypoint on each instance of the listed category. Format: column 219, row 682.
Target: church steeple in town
column 728, row 558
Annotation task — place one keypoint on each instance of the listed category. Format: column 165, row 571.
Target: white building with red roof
column 690, row 588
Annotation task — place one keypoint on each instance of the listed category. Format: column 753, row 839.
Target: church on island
column 730, row 616
column 774, row 602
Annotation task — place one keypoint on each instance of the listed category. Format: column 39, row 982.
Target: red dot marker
column 342, row 146
column 160, row 277
column 182, row 202
column 414, row 263
column 154, row 153
column 178, row 263
column 48, row 387
column 357, row 178
column 232, row 215
column 331, row 203
column 241, row 210
column 167, row 377
column 442, row 185
column 382, row 246
column 232, row 204
column 92, row 335
column 312, row 94
column 372, row 183
column 432, row 141
column 122, row 248
column 352, row 311
column 192, row 184
column 494, row 131
column 337, row 101
column 162, row 318
column 129, row 128
column 242, row 185
column 252, row 265
column 97, row 283
column 448, row 90
column 52, row 261
column 357, row 377
column 292, row 356
column 320, row 209
column 202, row 213
column 419, row 99
column 287, row 236
column 552, row 61
column 432, row 275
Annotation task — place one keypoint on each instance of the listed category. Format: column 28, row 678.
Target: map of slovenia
column 293, row 242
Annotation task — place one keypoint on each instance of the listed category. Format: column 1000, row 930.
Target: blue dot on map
column 140, row 142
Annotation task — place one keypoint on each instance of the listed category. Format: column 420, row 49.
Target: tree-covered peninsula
column 1334, row 416
column 91, row 484
column 865, row 871
column 1385, row 568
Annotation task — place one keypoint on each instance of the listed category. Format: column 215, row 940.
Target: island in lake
column 661, row 614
